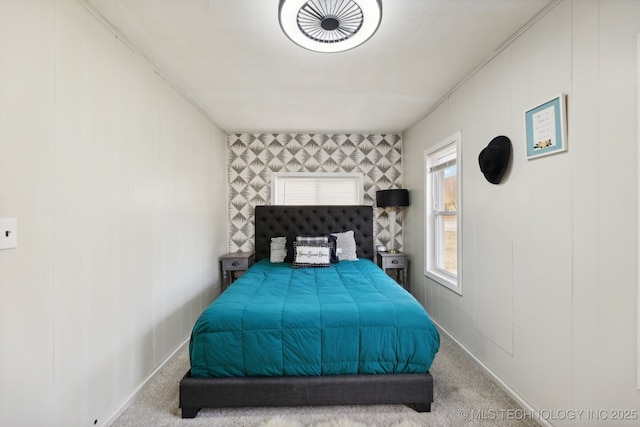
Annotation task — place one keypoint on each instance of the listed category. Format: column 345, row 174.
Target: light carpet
column 463, row 395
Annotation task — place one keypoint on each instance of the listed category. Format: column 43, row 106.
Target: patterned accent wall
column 252, row 158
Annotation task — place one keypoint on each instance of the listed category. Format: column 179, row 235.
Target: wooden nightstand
column 232, row 262
column 399, row 262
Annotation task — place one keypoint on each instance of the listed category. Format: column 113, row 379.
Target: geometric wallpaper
column 252, row 158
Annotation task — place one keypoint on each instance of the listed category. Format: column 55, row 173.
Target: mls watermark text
column 549, row 414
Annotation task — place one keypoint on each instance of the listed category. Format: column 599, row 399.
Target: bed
column 318, row 373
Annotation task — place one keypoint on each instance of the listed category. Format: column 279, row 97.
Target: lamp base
column 392, row 231
column 393, row 251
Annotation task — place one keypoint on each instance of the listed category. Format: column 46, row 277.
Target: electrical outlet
column 8, row 233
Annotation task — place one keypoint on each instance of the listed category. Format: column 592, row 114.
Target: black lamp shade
column 388, row 198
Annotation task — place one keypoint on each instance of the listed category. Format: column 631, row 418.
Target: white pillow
column 278, row 249
column 346, row 246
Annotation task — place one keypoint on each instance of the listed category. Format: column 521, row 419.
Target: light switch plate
column 8, row 233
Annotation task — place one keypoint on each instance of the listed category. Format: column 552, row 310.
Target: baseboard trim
column 132, row 397
column 503, row 385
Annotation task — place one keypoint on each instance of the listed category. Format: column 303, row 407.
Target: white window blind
column 317, row 188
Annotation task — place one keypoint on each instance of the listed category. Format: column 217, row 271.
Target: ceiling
column 231, row 59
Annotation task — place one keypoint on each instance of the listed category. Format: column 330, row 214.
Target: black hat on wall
column 494, row 159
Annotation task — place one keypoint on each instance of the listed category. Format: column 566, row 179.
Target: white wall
column 549, row 256
column 112, row 176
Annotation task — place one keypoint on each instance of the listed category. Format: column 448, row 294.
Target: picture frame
column 545, row 127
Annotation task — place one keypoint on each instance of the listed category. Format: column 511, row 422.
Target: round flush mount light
column 329, row 25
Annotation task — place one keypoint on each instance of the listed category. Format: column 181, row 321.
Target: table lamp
column 392, row 199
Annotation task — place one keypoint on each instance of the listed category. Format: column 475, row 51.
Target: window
column 442, row 213
column 317, row 188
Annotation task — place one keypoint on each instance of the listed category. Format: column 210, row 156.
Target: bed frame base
column 415, row 390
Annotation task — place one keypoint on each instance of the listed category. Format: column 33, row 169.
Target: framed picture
column 545, row 126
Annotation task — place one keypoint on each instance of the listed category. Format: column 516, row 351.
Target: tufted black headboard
column 276, row 221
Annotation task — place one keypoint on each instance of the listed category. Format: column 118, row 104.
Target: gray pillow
column 278, row 249
column 346, row 246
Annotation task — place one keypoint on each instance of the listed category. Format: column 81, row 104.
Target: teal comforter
column 350, row 318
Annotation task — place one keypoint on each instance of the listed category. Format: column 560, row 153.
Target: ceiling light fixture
column 330, row 25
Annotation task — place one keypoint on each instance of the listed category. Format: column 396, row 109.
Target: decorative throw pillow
column 311, row 255
column 346, row 246
column 278, row 249
column 333, row 243
column 291, row 238
column 331, row 239
column 312, row 239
